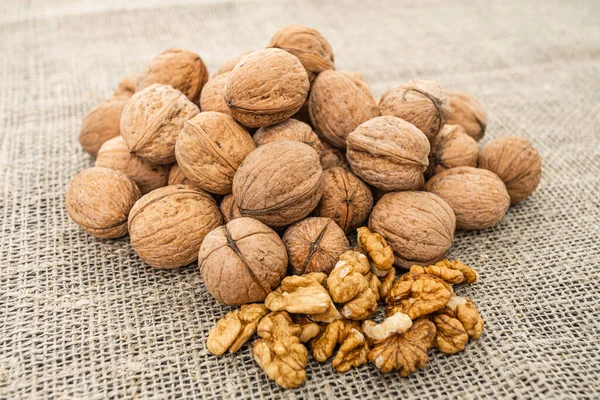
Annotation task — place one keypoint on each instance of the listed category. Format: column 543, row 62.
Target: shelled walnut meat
column 468, row 112
column 347, row 337
column 290, row 129
column 235, row 329
column 451, row 148
column 102, row 123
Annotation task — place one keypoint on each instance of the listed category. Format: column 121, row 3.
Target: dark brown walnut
column 477, row 196
column 168, row 225
column 422, row 103
column 177, row 177
column 451, row 148
column 389, row 153
column 418, row 226
column 332, row 157
column 229, row 209
column 182, row 69
column 311, row 48
column 230, row 64
column 290, row 129
column 147, row 176
column 152, row 120
column 266, row 87
column 210, row 149
column 346, row 199
column 314, row 245
column 126, row 86
column 242, row 262
column 516, row 162
column 101, row 123
column 468, row 112
column 211, row 98
column 99, row 200
column 279, row 183
column 337, row 106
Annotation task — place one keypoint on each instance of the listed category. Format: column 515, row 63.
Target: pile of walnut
column 264, row 170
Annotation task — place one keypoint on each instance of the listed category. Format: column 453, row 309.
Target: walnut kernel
column 235, row 329
column 352, row 350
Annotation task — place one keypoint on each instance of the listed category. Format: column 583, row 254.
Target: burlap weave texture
column 82, row 318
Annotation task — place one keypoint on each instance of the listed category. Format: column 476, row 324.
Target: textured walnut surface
column 467, row 111
column 452, row 147
column 211, row 98
column 101, row 123
column 290, row 129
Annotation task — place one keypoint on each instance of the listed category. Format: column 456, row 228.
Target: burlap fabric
column 82, row 318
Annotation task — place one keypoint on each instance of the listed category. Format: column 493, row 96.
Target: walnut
column 279, row 351
column 314, row 245
column 346, row 199
column 168, row 225
column 266, row 87
column 417, row 295
column 452, row 147
column 384, row 285
column 418, row 226
column 451, row 335
column 290, row 129
column 230, row 64
column 211, row 98
column 464, row 310
column 147, row 176
column 516, row 162
column 229, row 209
column 126, row 86
column 310, row 329
column 210, row 148
column 152, row 120
column 235, row 329
column 389, row 153
column 182, row 69
column 352, row 350
column 302, row 114
column 467, row 111
column 453, row 272
column 478, row 197
column 177, row 177
column 279, row 183
column 337, row 106
column 300, row 295
column 101, row 123
column 332, row 157
column 359, row 80
column 379, row 252
column 242, row 262
column 392, row 325
column 99, row 200
column 404, row 352
column 311, row 48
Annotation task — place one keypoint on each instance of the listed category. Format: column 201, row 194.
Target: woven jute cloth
column 82, row 318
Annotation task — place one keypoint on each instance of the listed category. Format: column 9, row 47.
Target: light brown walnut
column 359, row 80
column 451, row 335
column 451, row 148
column 211, row 98
column 299, row 295
column 464, row 310
column 229, row 209
column 347, row 337
column 378, row 251
column 417, row 295
column 310, row 329
column 101, row 123
column 230, row 64
column 332, row 157
column 290, row 129
column 177, row 177
column 397, row 323
column 235, row 329
column 452, row 272
column 126, row 86
column 467, row 111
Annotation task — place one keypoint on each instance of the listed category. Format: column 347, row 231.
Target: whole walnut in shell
column 337, row 106
column 290, row 129
column 311, row 48
column 182, row 69
column 229, row 209
column 359, row 80
column 126, row 86
column 452, row 147
column 389, row 153
column 468, row 112
column 167, row 225
column 177, row 177
column 332, row 157
column 242, row 262
column 477, row 196
column 346, row 199
column 279, row 183
column 152, row 120
column 147, row 176
column 101, row 123
column 99, row 200
column 422, row 103
column 211, row 98
column 419, row 226
column 230, row 64
column 516, row 162
column 266, row 87
column 314, row 245
column 210, row 149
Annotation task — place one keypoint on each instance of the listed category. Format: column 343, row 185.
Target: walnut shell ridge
column 451, row 148
column 290, row 129
column 242, row 262
column 419, row 226
column 211, row 98
column 177, row 177
column 99, row 200
column 167, row 225
column 389, row 153
column 279, row 183
column 468, row 112
column 101, row 123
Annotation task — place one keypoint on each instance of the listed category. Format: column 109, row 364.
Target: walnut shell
column 314, row 245
column 210, row 149
column 389, row 153
column 126, row 86
column 242, row 262
column 332, row 157
column 147, row 176
column 451, row 148
column 337, row 106
column 477, row 196
column 419, row 226
column 290, row 129
column 211, row 98
column 467, row 111
column 303, row 115
column 99, row 200
column 311, row 48
column 182, row 69
column 167, row 225
column 177, row 177
column 422, row 103
column 279, row 183
column 359, row 80
column 229, row 209
column 230, row 64
column 516, row 162
column 267, row 87
column 346, row 199
column 152, row 120
column 101, row 123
